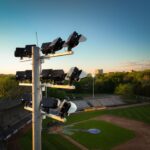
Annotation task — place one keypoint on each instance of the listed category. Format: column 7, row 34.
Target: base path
column 142, row 132
column 73, row 142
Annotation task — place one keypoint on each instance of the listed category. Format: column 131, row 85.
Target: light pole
column 93, row 76
column 36, row 99
column 33, row 52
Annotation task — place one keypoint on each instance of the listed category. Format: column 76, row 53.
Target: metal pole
column 36, row 98
column 93, row 87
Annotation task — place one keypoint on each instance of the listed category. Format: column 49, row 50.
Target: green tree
column 9, row 87
column 57, row 93
column 124, row 89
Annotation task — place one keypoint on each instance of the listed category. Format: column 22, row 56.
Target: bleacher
column 8, row 103
column 81, row 105
column 113, row 101
column 107, row 101
column 10, row 116
column 94, row 103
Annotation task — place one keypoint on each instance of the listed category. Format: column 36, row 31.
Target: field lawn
column 140, row 113
column 49, row 142
column 110, row 136
column 84, row 116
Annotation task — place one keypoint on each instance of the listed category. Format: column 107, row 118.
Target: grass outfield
column 110, row 136
column 49, row 141
column 84, row 116
column 111, row 133
column 140, row 113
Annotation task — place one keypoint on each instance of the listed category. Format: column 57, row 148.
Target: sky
column 117, row 31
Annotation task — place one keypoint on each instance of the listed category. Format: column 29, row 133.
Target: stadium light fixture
column 55, row 76
column 24, row 52
column 45, row 48
column 66, row 108
column 58, row 76
column 19, row 52
column 28, row 50
column 75, row 74
column 73, row 40
column 26, row 99
column 62, row 109
column 49, row 103
column 28, row 75
column 20, row 75
column 46, row 74
column 24, row 75
column 52, row 47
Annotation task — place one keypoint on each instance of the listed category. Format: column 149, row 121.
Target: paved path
column 128, row 106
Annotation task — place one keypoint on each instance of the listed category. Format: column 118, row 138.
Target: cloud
column 135, row 65
column 126, row 66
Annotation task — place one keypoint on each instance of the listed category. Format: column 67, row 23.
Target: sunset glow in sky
column 117, row 31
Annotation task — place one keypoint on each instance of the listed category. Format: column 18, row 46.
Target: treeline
column 123, row 83
column 9, row 87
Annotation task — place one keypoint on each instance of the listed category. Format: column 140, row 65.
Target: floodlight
column 66, row 108
column 19, row 52
column 45, row 48
column 74, row 40
column 26, row 99
column 28, row 50
column 28, row 75
column 57, row 44
column 73, row 108
column 24, row 52
column 49, row 103
column 52, row 47
column 73, row 75
column 20, row 75
column 58, row 76
column 55, row 76
column 82, row 75
column 46, row 74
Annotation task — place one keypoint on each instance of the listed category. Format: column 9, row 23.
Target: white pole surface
column 93, row 86
column 36, row 98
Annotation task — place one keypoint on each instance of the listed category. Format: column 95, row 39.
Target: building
column 98, row 71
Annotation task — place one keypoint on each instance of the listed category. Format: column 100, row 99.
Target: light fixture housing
column 46, row 74
column 66, row 108
column 19, row 52
column 54, row 76
column 28, row 75
column 73, row 40
column 73, row 75
column 28, row 50
column 24, row 52
column 52, row 47
column 49, row 103
column 20, row 75
column 58, row 76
